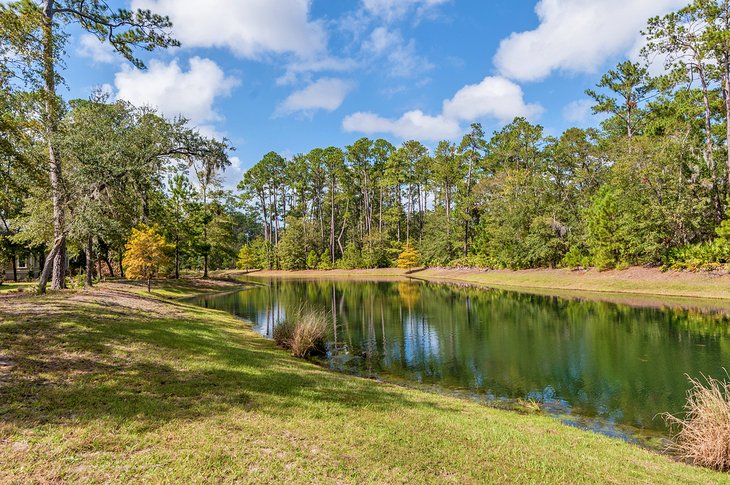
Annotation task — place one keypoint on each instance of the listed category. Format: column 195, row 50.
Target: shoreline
column 634, row 286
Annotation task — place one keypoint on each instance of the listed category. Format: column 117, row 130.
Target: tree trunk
column 149, row 284
column 48, row 264
column 727, row 123
column 51, row 122
column 89, row 279
column 332, row 220
column 177, row 258
column 15, row 267
column 121, row 267
column 109, row 265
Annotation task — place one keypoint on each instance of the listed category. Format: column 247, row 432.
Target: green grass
column 11, row 287
column 111, row 385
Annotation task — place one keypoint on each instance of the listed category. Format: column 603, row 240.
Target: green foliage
column 312, row 260
column 291, row 251
column 351, row 259
column 246, row 258
column 325, row 261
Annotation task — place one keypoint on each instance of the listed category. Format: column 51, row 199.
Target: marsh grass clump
column 303, row 333
column 702, row 437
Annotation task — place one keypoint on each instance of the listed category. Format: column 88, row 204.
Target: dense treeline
column 78, row 176
column 649, row 186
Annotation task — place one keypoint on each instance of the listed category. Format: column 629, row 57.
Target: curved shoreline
column 649, row 287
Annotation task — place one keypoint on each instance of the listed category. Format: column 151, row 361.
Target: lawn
column 11, row 287
column 113, row 385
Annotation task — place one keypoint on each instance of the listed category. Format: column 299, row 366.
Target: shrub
column 704, row 256
column 312, row 260
column 703, row 436
column 283, row 332
column 325, row 261
column 351, row 259
column 304, row 333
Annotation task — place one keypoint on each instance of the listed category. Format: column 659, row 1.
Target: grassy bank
column 114, row 385
column 632, row 281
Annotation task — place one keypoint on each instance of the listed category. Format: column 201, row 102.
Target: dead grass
column 303, row 333
column 702, row 437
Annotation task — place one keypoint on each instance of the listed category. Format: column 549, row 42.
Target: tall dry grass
column 304, row 332
column 702, row 437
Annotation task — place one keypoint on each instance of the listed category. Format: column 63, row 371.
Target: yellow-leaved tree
column 145, row 252
column 409, row 257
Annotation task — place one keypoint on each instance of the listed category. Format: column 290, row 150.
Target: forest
column 648, row 186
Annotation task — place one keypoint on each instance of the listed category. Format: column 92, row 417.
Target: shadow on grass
column 87, row 360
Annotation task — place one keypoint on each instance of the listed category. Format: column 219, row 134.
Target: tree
column 181, row 220
column 207, row 158
column 146, row 253
column 292, row 249
column 33, row 43
column 630, row 87
column 246, row 258
column 409, row 257
column 312, row 260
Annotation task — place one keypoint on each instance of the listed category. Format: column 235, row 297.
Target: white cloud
column 190, row 93
column 324, row 94
column 494, row 97
column 395, row 9
column 249, row 28
column 413, row 124
column 401, row 55
column 578, row 111
column 576, row 36
column 295, row 70
column 90, row 46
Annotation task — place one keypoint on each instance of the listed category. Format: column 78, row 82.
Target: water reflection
column 620, row 364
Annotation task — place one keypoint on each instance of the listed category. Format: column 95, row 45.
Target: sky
column 292, row 75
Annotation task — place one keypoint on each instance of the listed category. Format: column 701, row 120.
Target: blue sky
column 291, row 75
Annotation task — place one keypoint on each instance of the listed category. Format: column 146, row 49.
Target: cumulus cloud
column 413, row 124
column 91, row 47
column 324, row 94
column 174, row 92
column 576, row 36
column 493, row 97
column 395, row 9
column 248, row 28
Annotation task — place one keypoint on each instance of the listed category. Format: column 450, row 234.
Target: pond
column 602, row 366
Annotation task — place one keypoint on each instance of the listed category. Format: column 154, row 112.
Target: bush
column 703, row 436
column 351, row 259
column 304, row 333
column 704, row 256
column 312, row 260
column 283, row 332
column 325, row 261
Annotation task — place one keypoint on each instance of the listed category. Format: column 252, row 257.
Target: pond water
column 602, row 366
